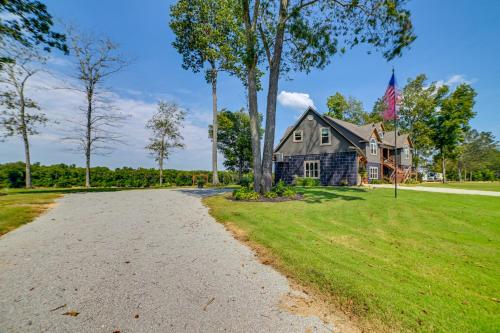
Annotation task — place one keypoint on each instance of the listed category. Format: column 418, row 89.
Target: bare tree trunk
column 272, row 94
column 160, row 162
column 254, row 127
column 215, row 175
column 443, row 165
column 27, row 160
column 251, row 67
column 88, row 139
column 24, row 129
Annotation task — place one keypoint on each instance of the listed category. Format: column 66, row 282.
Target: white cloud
column 62, row 106
column 454, row 80
column 295, row 100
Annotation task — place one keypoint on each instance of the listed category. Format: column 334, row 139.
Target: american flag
column 390, row 100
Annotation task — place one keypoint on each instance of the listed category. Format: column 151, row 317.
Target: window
column 373, row 146
column 381, row 133
column 373, row 172
column 406, row 152
column 311, row 169
column 325, row 136
column 297, row 136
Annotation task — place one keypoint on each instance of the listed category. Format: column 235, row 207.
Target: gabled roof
column 290, row 130
column 389, row 139
column 363, row 132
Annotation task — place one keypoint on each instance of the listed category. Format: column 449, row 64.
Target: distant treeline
column 62, row 175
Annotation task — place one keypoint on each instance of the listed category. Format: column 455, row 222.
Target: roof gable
column 310, row 110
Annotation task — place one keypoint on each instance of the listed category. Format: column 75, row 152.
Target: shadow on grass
column 321, row 194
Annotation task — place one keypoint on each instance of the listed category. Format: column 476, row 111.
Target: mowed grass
column 21, row 206
column 426, row 262
column 483, row 186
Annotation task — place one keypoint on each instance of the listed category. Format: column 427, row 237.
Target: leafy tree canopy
column 206, row 32
column 350, row 109
column 28, row 22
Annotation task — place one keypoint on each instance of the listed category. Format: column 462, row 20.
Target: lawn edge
column 39, row 210
column 327, row 306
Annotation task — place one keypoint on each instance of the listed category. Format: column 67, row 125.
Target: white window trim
column 406, row 151
column 372, row 140
column 319, row 168
column 301, row 136
column 373, row 170
column 321, row 136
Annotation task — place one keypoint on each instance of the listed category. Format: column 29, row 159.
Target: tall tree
column 302, row 35
column 350, row 109
column 417, row 108
column 20, row 114
column 27, row 22
column 476, row 152
column 451, row 123
column 165, row 126
column 235, row 140
column 96, row 59
column 206, row 34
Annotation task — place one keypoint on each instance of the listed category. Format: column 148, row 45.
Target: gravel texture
column 137, row 261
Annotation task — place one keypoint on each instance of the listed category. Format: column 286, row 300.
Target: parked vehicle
column 434, row 177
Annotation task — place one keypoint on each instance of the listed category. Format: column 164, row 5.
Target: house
column 333, row 151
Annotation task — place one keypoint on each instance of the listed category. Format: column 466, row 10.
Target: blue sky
column 456, row 42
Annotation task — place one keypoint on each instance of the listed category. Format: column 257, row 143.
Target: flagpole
column 395, row 142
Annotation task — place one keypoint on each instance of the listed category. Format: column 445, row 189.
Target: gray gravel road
column 137, row 261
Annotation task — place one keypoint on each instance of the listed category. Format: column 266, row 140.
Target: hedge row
column 62, row 175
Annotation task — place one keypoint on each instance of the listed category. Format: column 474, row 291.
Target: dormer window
column 373, row 146
column 325, row 136
column 381, row 133
column 298, row 136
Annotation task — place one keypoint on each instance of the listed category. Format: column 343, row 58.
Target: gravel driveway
column 137, row 261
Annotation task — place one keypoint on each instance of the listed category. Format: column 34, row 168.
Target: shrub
column 245, row 194
column 376, row 181
column 289, row 192
column 344, row 182
column 246, row 181
column 412, row 181
column 279, row 188
column 306, row 182
column 271, row 195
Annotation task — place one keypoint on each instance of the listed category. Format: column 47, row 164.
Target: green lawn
column 20, row 206
column 426, row 262
column 483, row 186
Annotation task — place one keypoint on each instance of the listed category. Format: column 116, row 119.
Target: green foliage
column 200, row 181
column 271, row 195
column 245, row 193
column 289, row 192
column 206, row 33
column 234, row 140
column 306, row 182
column 30, row 26
column 279, row 188
column 62, row 175
column 350, row 110
column 246, row 181
column 417, row 109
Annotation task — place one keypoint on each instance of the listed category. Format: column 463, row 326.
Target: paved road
column 137, row 261
column 439, row 190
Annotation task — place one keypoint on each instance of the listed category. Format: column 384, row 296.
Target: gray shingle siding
column 334, row 167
